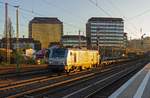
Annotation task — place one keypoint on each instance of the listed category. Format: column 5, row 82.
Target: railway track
column 10, row 72
column 7, row 79
column 11, row 69
column 86, row 87
column 46, row 86
column 25, row 84
column 22, row 77
column 25, row 73
column 101, row 92
column 108, row 90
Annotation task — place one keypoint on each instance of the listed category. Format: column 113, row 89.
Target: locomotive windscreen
column 59, row 52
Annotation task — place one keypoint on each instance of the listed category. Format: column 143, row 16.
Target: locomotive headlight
column 50, row 62
column 64, row 62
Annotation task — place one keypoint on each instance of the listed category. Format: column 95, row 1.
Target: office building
column 47, row 30
column 107, row 33
column 74, row 41
column 125, row 40
column 24, row 43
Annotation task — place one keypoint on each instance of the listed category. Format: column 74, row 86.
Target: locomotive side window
column 75, row 57
column 71, row 53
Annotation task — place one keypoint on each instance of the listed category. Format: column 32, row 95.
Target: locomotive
column 73, row 59
column 70, row 59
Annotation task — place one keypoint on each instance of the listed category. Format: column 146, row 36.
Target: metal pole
column 79, row 40
column 97, row 40
column 112, row 53
column 17, row 38
column 6, row 34
column 104, row 46
column 6, row 16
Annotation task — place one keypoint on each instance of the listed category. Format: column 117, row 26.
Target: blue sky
column 75, row 13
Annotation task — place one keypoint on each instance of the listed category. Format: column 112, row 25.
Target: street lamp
column 142, row 40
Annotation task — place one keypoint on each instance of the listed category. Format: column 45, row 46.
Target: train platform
column 136, row 87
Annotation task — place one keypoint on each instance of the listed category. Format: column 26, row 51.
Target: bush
column 31, row 61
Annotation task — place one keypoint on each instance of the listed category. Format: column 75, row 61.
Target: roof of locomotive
column 81, row 49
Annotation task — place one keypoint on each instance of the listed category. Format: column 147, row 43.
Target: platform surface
column 136, row 87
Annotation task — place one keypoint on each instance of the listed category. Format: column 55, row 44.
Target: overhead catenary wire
column 96, row 4
column 123, row 16
column 69, row 24
column 2, row 25
column 39, row 14
column 116, row 8
column 61, row 9
column 131, row 18
column 139, row 15
column 92, row 1
column 64, row 10
column 126, row 19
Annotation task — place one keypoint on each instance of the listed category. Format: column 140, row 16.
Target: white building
column 108, row 32
column 74, row 41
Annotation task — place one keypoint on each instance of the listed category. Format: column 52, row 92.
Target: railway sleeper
column 28, row 96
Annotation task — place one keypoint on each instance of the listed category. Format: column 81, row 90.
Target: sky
column 75, row 13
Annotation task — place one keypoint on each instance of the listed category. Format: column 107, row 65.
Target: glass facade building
column 105, row 32
column 109, row 31
column 74, row 41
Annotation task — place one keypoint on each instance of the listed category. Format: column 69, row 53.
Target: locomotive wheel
column 80, row 68
column 67, row 71
column 59, row 73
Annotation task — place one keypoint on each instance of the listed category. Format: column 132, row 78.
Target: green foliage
column 28, row 46
column 31, row 61
column 18, row 57
column 4, row 64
